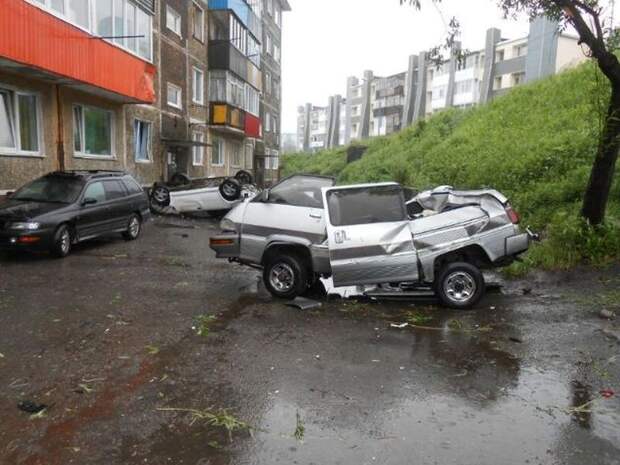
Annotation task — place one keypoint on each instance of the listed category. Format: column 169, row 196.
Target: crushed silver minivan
column 306, row 228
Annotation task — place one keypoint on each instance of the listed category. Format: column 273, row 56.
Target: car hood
column 22, row 210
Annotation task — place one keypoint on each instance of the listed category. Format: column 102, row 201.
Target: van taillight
column 512, row 215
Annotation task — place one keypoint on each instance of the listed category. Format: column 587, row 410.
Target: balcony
column 227, row 118
column 38, row 44
column 225, row 56
column 243, row 11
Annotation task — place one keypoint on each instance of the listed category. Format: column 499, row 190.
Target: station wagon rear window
column 366, row 205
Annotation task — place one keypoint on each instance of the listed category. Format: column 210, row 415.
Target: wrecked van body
column 305, row 228
column 210, row 195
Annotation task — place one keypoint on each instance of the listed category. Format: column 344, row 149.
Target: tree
column 586, row 17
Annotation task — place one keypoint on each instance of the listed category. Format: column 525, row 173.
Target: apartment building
column 378, row 106
column 312, row 128
column 268, row 153
column 82, row 87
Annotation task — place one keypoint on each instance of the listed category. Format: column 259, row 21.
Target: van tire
column 459, row 285
column 286, row 276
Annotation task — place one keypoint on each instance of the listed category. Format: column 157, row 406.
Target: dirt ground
column 108, row 340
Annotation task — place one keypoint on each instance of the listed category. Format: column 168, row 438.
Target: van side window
column 366, row 205
column 300, row 191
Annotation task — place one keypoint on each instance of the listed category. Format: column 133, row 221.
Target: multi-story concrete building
column 312, row 134
column 378, row 106
column 268, row 153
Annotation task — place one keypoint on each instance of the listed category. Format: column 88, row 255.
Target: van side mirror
column 9, row 194
column 89, row 201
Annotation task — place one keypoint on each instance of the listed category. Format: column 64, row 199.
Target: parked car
column 66, row 207
column 215, row 196
column 305, row 228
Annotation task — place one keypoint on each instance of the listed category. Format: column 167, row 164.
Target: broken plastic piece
column 29, row 406
column 607, row 393
column 304, row 304
column 401, row 326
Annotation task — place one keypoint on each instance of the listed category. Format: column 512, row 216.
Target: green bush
column 536, row 145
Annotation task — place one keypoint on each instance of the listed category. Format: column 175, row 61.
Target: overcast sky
column 325, row 41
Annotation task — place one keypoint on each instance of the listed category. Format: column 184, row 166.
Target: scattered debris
column 611, row 333
column 399, row 326
column 455, row 325
column 203, row 324
column 318, row 357
column 29, row 406
column 300, row 429
column 152, row 350
column 607, row 393
column 83, row 389
column 417, row 318
column 607, row 314
column 304, row 304
column 516, row 339
column 1, row 355
column 526, row 290
column 214, row 445
column 219, row 419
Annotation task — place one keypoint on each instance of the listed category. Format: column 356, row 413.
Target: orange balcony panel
column 38, row 40
column 220, row 114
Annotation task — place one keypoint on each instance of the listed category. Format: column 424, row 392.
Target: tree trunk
column 601, row 177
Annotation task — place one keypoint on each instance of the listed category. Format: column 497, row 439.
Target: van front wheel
column 285, row 276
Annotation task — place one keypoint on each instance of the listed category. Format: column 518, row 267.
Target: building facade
column 377, row 106
column 152, row 87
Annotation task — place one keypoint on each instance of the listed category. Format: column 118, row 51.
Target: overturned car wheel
column 230, row 189
column 244, row 177
column 285, row 277
column 459, row 285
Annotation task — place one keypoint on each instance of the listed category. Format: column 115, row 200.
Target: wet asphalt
column 107, row 340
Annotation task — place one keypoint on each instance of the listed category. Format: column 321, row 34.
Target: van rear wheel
column 286, row 276
column 459, row 285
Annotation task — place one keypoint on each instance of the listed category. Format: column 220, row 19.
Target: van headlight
column 25, row 226
column 228, row 225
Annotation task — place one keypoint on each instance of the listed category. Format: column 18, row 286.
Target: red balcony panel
column 37, row 39
column 252, row 126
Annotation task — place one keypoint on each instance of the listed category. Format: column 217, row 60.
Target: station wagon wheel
column 286, row 276
column 459, row 285
column 133, row 228
column 61, row 247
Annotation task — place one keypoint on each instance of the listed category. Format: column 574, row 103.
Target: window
column 92, row 131
column 276, row 52
column 499, row 56
column 270, row 7
column 252, row 100
column 235, row 154
column 174, row 96
column 173, row 20
column 198, row 150
column 132, row 186
column 518, row 79
column 497, row 83
column 95, row 191
column 520, row 50
column 238, row 35
column 19, row 122
column 268, row 44
column 278, row 14
column 199, row 23
column 198, row 86
column 267, row 83
column 113, row 190
column 113, row 20
column 142, row 135
column 267, row 121
column 300, row 191
column 366, row 206
column 217, row 152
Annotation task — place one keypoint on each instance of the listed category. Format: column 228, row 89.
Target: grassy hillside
column 536, row 145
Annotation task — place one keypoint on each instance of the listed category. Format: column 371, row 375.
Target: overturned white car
column 210, row 195
column 305, row 228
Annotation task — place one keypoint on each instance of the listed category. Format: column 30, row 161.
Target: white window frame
column 149, row 156
column 239, row 147
column 267, row 121
column 177, row 19
column 178, row 105
column 198, row 151
column 17, row 151
column 81, row 153
column 91, row 28
column 201, row 36
column 199, row 99
column 220, row 144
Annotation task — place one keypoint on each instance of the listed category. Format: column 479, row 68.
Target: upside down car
column 305, row 228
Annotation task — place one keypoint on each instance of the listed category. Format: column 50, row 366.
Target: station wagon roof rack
column 90, row 173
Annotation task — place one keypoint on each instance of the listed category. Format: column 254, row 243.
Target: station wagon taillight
column 513, row 216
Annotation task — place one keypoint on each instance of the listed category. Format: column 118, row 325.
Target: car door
column 369, row 236
column 92, row 217
column 119, row 206
column 292, row 209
